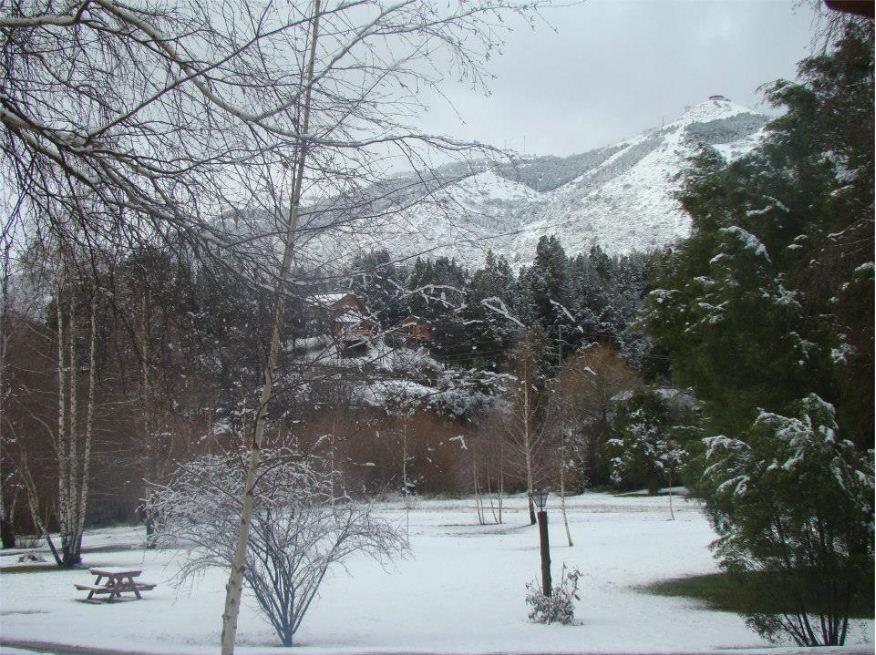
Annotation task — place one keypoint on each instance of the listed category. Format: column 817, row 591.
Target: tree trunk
column 479, row 507
column 527, row 446
column 68, row 535
column 89, row 422
column 406, row 499
column 501, row 476
column 62, row 443
column 563, row 486
column 33, row 504
column 151, row 456
column 7, row 529
column 235, row 579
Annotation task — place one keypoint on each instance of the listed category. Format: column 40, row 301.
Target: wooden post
column 545, row 552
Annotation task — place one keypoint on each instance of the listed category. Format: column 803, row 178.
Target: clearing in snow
column 461, row 591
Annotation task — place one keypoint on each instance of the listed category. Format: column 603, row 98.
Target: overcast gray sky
column 616, row 67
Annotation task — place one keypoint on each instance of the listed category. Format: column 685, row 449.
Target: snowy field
column 460, row 591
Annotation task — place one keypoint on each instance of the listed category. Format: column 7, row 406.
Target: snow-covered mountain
column 627, row 202
column 620, row 197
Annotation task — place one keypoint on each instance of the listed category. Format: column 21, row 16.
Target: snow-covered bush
column 792, row 502
column 559, row 607
column 299, row 527
column 645, row 449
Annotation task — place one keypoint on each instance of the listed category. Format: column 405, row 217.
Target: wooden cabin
column 342, row 314
column 416, row 330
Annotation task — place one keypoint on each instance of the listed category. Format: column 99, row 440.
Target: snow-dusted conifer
column 793, row 499
column 645, row 449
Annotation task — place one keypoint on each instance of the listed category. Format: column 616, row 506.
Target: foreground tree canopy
column 772, row 295
column 767, row 311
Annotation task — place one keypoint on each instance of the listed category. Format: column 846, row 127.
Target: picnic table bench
column 116, row 583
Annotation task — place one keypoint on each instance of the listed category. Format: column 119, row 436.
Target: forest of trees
column 158, row 356
column 150, row 356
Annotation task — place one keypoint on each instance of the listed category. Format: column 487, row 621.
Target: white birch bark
column 5, row 513
column 61, row 442
column 89, row 423
column 68, row 536
column 33, row 503
column 234, row 587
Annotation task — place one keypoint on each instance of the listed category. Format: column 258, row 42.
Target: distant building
column 344, row 314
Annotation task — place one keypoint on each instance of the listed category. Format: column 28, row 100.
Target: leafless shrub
column 299, row 528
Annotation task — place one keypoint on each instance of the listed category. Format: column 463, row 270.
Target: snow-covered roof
column 329, row 299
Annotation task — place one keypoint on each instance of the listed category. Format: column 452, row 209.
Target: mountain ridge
column 620, row 197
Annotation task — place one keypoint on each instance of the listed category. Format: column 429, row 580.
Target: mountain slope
column 620, row 197
column 627, row 202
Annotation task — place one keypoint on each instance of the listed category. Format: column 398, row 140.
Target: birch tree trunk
column 234, row 587
column 33, row 503
column 72, row 446
column 68, row 536
column 89, row 422
column 62, row 442
column 149, row 428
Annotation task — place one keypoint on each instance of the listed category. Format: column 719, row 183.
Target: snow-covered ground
column 460, row 591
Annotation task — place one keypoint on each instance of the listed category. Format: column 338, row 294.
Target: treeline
column 136, row 361
column 476, row 318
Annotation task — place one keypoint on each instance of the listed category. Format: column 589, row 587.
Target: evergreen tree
column 379, row 283
column 767, row 311
column 816, row 546
column 437, row 295
column 545, row 294
column 489, row 334
column 771, row 296
column 646, row 449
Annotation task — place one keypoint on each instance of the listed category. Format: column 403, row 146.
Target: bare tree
column 523, row 416
column 74, row 437
column 258, row 137
column 299, row 528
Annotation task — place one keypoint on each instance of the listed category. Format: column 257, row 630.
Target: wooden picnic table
column 114, row 582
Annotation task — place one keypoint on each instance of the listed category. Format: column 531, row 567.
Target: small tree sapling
column 559, row 607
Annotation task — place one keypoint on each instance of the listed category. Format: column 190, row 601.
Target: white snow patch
column 462, row 591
